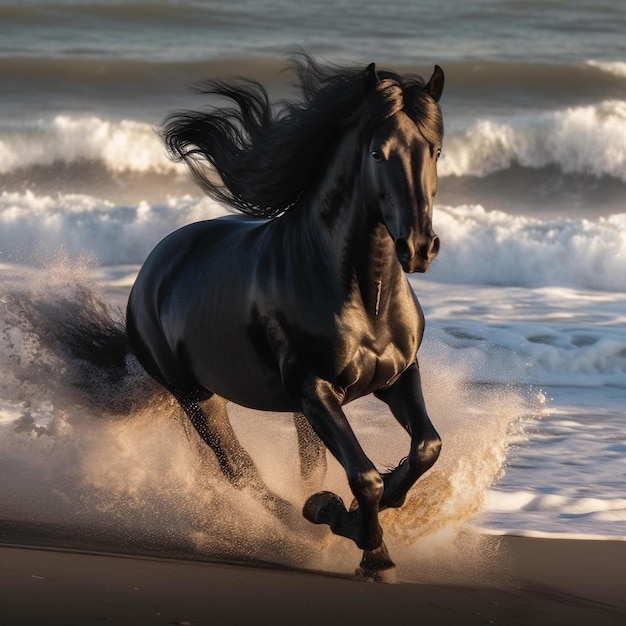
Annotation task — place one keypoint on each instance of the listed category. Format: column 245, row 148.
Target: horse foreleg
column 377, row 565
column 323, row 410
column 312, row 452
column 406, row 401
column 210, row 419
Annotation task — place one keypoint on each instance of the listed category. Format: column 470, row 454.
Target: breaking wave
column 588, row 139
column 479, row 246
column 119, row 146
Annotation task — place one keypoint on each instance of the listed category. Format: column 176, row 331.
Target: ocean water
column 524, row 357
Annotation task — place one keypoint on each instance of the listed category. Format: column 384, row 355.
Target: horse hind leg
column 210, row 419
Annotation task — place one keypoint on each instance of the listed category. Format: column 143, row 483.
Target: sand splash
column 115, row 456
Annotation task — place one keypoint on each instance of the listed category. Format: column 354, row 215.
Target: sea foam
column 37, row 228
column 479, row 246
column 579, row 139
column 493, row 247
column 119, row 145
column 617, row 68
column 541, row 336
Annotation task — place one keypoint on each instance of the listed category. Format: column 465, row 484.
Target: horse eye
column 376, row 155
column 438, row 153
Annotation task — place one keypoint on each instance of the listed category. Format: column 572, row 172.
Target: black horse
column 302, row 304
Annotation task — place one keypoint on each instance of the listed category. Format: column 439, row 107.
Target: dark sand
column 547, row 581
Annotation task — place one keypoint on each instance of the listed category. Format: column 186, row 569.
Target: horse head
column 399, row 166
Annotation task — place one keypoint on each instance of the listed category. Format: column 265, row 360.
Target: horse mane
column 266, row 156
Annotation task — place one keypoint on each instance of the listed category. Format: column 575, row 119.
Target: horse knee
column 367, row 486
column 427, row 453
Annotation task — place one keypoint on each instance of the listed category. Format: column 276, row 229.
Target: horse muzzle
column 416, row 259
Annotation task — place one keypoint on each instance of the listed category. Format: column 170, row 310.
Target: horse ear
column 434, row 87
column 370, row 78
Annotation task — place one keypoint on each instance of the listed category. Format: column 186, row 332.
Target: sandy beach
column 543, row 581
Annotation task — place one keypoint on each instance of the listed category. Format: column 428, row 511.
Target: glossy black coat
column 306, row 312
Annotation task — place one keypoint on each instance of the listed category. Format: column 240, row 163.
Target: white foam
column 582, row 139
column 35, row 229
column 586, row 139
column 479, row 246
column 543, row 336
column 121, row 146
column 529, row 501
column 617, row 68
column 540, row 534
column 535, row 514
column 492, row 247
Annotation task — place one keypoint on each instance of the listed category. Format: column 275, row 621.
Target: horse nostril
column 434, row 247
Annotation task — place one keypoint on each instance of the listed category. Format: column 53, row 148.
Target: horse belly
column 223, row 359
column 244, row 382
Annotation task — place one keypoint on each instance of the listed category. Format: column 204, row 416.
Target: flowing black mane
column 267, row 156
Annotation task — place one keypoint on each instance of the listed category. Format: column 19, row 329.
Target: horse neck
column 362, row 250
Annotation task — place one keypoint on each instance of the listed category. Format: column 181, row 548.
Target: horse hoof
column 387, row 575
column 376, row 565
column 318, row 507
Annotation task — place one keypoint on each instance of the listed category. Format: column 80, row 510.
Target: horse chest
column 362, row 351
column 377, row 360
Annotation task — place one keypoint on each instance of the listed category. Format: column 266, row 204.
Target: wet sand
column 544, row 581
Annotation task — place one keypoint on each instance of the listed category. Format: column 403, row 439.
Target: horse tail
column 86, row 348
column 91, row 332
